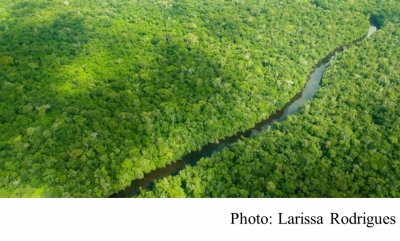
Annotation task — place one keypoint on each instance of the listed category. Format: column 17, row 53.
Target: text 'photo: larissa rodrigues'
column 334, row 219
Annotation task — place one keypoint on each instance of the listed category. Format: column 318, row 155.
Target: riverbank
column 290, row 108
column 341, row 144
column 94, row 96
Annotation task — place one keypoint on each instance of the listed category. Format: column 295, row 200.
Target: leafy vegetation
column 344, row 143
column 95, row 93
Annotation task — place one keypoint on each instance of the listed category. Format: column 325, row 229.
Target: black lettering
column 252, row 219
column 378, row 220
column 264, row 220
column 334, row 217
column 344, row 220
column 320, row 221
column 305, row 220
column 353, row 219
column 234, row 216
column 370, row 221
column 280, row 219
column 243, row 218
column 386, row 220
column 393, row 218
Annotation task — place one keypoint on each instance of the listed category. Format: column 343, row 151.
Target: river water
column 290, row 108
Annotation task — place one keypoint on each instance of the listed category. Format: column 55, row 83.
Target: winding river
column 290, row 108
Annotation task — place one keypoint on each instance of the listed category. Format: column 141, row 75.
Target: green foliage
column 344, row 143
column 96, row 93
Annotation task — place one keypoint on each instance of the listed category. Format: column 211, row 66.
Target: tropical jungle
column 97, row 94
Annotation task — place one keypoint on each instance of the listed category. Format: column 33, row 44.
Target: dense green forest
column 344, row 143
column 94, row 94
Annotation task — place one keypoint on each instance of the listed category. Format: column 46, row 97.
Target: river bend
column 290, row 108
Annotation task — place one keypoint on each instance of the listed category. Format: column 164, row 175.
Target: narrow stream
column 290, row 108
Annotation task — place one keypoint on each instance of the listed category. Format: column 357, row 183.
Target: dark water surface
column 290, row 108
